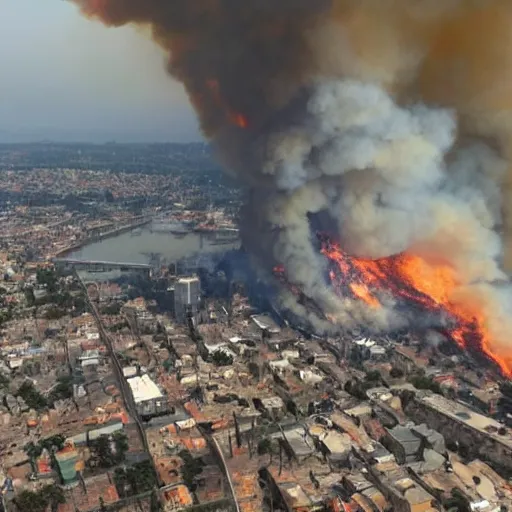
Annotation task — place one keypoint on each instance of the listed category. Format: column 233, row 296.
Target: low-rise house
column 404, row 444
column 89, row 358
column 297, row 443
column 265, row 325
column 431, row 438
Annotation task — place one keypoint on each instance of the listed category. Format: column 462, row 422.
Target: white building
column 149, row 399
column 144, row 389
column 89, row 358
column 187, row 298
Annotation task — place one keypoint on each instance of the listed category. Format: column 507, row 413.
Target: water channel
column 147, row 245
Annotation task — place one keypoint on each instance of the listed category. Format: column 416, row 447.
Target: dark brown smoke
column 239, row 60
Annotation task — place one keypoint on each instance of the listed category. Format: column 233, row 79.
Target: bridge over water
column 101, row 266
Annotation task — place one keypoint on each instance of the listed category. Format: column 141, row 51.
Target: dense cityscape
column 170, row 384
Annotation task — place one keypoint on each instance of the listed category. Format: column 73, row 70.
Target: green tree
column 265, row 447
column 114, row 308
column 103, row 507
column 423, row 382
column 121, row 482
column 63, row 388
column 373, row 376
column 33, row 451
column 220, row 358
column 5, row 316
column 138, row 479
column 79, row 305
column 54, row 496
column 109, row 197
column 55, row 313
column 106, row 456
column 48, row 279
column 54, row 442
column 32, row 397
column 62, row 299
column 29, row 296
column 457, row 502
column 31, row 368
column 356, row 357
column 28, row 501
column 103, row 452
column 155, row 505
column 191, row 469
column 144, row 477
column 168, row 364
column 396, row 373
column 4, row 381
column 121, row 442
column 49, row 496
column 358, row 389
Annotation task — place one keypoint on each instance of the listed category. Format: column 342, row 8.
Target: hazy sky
column 63, row 77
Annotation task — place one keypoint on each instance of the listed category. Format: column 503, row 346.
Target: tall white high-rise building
column 187, row 298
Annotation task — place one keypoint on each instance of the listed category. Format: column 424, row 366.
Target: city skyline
column 66, row 78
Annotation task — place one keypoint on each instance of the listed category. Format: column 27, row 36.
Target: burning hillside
column 412, row 279
column 409, row 282
column 393, row 118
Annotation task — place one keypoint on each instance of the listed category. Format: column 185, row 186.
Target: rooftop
column 188, row 280
column 463, row 414
column 98, row 486
column 143, row 388
column 266, row 323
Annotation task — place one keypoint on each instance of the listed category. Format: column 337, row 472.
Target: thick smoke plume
column 394, row 116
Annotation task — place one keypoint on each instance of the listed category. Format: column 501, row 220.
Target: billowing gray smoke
column 393, row 181
column 393, row 117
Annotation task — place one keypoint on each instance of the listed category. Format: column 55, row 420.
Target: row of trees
column 109, row 450
column 58, row 297
column 32, row 397
column 35, row 400
column 49, row 497
column 134, row 480
column 191, row 469
column 51, row 444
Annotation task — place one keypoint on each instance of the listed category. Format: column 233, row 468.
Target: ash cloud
column 394, row 117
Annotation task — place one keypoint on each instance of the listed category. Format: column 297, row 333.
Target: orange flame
column 432, row 286
column 239, row 120
column 235, row 118
column 362, row 292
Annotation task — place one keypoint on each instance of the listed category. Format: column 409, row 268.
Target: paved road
column 118, row 370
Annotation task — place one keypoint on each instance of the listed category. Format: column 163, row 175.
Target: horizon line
column 105, row 143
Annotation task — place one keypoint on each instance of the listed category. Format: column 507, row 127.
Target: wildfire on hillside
column 415, row 281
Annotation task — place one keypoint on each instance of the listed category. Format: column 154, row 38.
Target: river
column 143, row 244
